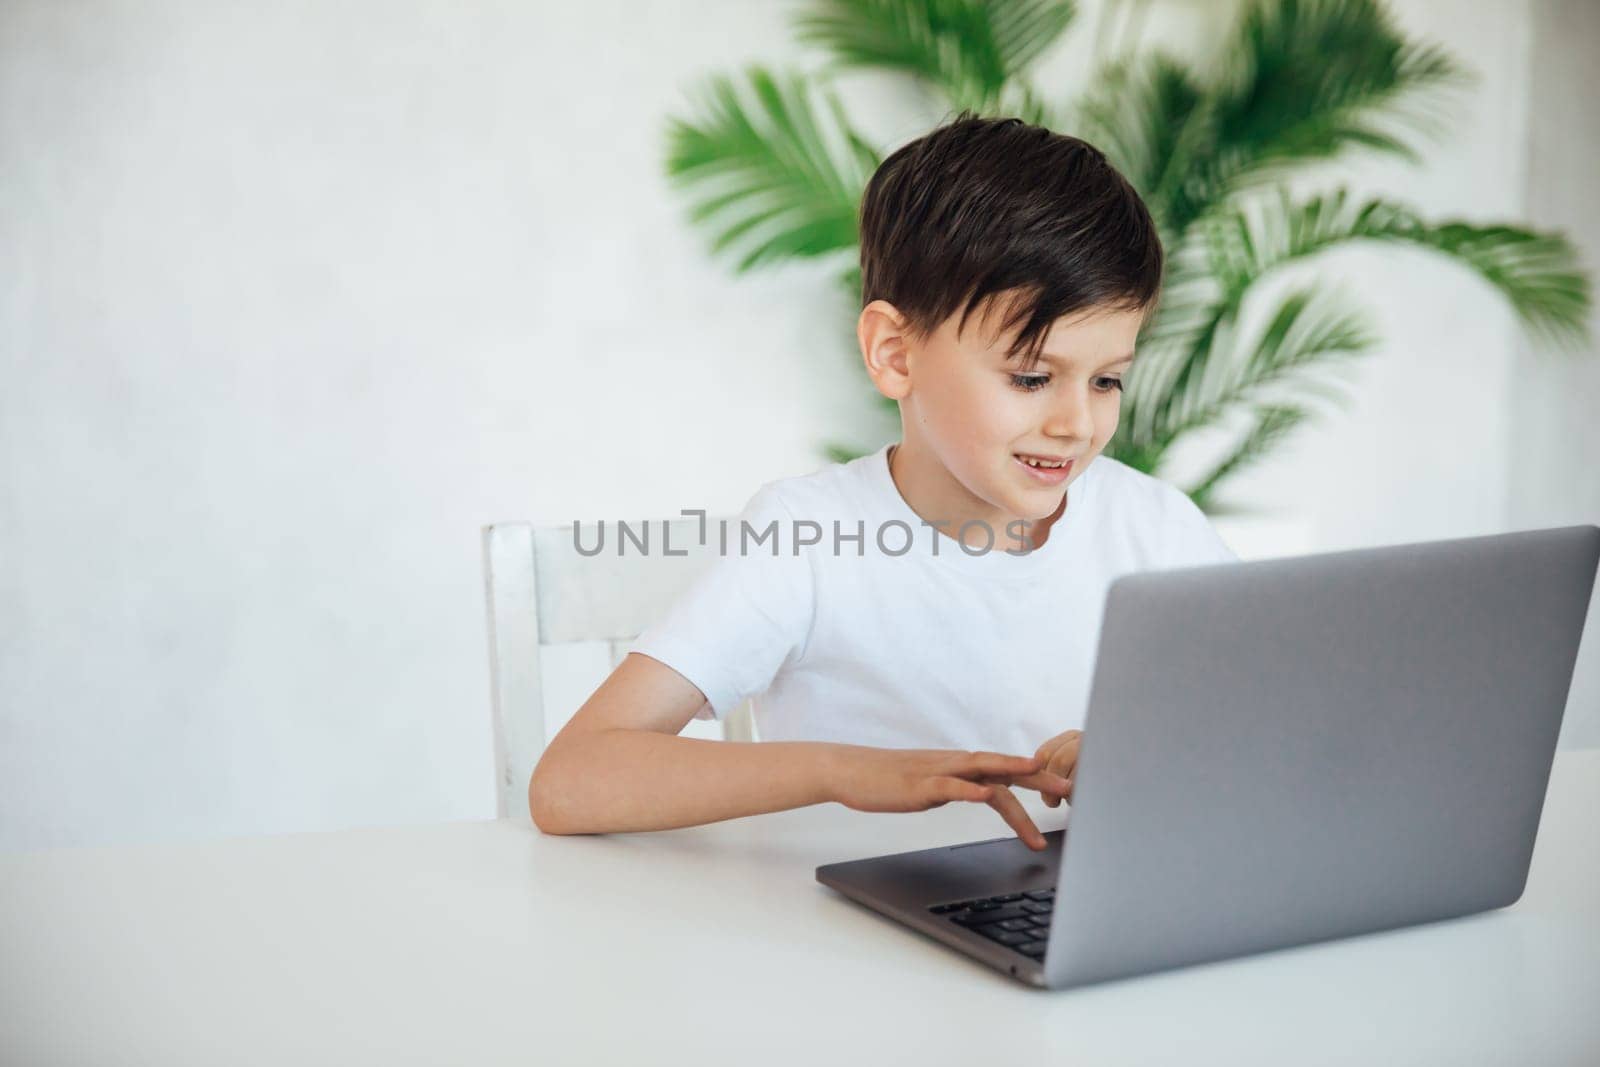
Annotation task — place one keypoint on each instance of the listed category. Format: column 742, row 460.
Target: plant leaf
column 1272, row 423
column 1539, row 274
column 775, row 168
column 1138, row 111
column 1302, row 80
column 968, row 49
column 1309, row 328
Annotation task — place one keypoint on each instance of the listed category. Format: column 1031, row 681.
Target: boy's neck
column 937, row 497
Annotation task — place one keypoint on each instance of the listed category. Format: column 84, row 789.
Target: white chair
column 542, row 591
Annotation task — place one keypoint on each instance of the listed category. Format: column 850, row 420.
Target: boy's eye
column 1030, row 382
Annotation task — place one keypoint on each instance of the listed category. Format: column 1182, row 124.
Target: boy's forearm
column 612, row 781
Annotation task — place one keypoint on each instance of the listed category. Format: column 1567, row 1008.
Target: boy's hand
column 892, row 779
column 1060, row 756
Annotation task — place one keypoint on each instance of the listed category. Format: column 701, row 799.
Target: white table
column 488, row 943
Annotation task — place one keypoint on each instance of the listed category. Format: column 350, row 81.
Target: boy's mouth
column 1044, row 469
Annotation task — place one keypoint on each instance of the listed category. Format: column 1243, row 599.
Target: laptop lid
column 1286, row 751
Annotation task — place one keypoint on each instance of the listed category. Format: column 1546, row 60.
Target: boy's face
column 969, row 412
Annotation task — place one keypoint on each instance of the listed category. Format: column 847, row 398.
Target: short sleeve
column 1194, row 542
column 744, row 617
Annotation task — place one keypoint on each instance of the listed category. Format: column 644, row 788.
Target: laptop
column 1279, row 752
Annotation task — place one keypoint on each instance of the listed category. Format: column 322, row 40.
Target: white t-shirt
column 903, row 638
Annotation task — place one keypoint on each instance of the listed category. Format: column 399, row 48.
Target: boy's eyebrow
column 1059, row 361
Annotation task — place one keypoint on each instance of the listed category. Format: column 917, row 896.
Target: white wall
column 1554, row 401
column 295, row 297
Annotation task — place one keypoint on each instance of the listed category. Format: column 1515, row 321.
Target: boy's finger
column 945, row 789
column 1010, row 809
column 1063, row 762
column 1047, row 783
column 1051, row 786
column 993, row 763
column 1062, row 746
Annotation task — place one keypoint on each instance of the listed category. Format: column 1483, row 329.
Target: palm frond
column 778, row 176
column 1169, row 359
column 1304, row 80
column 1308, row 329
column 1539, row 274
column 1141, row 112
column 1025, row 29
column 1270, row 424
column 968, row 49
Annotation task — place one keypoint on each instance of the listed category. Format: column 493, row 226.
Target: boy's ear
column 885, row 348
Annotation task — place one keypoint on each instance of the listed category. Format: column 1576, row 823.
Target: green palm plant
column 775, row 171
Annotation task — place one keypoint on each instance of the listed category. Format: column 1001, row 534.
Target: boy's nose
column 1071, row 419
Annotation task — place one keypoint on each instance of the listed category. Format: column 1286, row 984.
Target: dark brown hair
column 983, row 206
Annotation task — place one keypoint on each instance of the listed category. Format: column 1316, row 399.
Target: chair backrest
column 542, row 590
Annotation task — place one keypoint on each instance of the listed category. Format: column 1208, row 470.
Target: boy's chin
column 1052, row 507
column 1031, row 510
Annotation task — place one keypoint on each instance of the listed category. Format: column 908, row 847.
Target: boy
column 909, row 617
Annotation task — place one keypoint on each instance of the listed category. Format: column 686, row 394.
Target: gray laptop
column 1279, row 752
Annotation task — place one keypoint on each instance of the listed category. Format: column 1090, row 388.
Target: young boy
column 907, row 618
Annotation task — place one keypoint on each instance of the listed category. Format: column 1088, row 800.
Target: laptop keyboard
column 1020, row 921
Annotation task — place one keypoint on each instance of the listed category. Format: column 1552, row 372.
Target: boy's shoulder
column 837, row 490
column 1121, row 485
column 1142, row 509
column 1129, row 499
